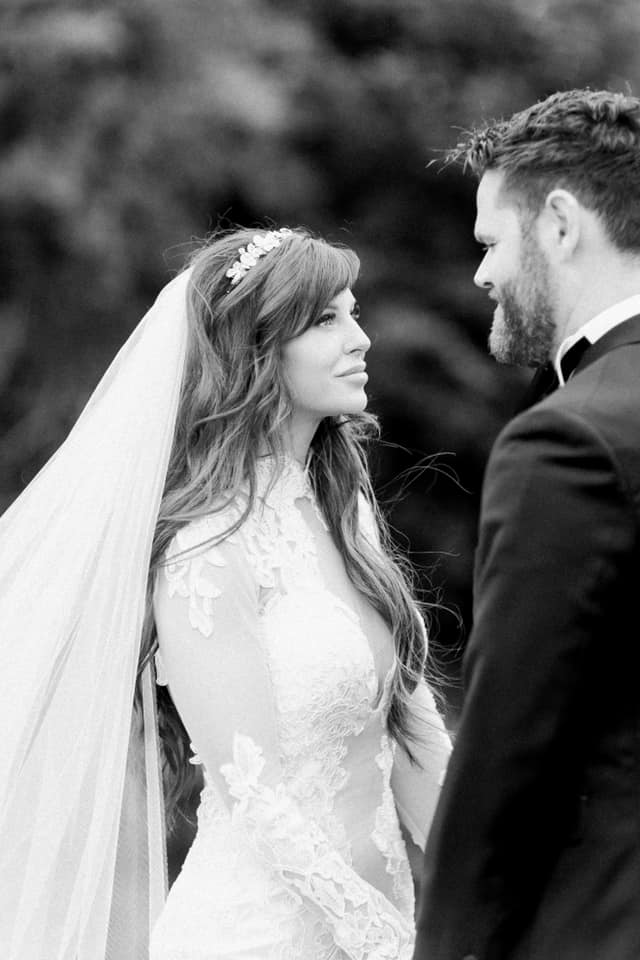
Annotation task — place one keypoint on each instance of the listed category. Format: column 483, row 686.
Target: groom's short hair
column 585, row 141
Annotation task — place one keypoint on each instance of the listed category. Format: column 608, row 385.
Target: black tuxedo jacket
column 535, row 849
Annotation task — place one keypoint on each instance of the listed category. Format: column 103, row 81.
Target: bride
column 210, row 525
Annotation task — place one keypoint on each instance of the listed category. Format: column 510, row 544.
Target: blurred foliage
column 129, row 127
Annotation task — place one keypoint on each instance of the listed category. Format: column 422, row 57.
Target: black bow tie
column 543, row 382
column 545, row 379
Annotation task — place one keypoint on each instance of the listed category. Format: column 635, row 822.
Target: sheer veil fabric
column 81, row 838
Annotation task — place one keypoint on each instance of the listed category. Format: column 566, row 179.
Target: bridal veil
column 82, row 873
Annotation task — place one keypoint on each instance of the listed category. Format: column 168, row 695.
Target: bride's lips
column 357, row 370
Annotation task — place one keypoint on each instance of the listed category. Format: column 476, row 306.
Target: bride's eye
column 325, row 318
column 355, row 311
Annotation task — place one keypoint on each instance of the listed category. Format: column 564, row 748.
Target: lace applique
column 280, row 546
column 387, row 835
column 187, row 575
column 292, row 484
column 317, row 716
column 364, row 923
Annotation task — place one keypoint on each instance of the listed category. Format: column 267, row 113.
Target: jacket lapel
column 626, row 332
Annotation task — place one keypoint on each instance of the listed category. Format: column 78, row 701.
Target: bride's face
column 324, row 367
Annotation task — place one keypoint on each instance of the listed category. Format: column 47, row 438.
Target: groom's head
column 558, row 216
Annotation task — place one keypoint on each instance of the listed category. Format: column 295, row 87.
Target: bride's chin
column 358, row 406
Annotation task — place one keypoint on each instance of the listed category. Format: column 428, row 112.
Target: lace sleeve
column 416, row 789
column 208, row 618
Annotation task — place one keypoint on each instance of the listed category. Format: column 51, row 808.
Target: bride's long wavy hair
column 234, row 405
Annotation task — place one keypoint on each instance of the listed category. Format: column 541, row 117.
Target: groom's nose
column 481, row 278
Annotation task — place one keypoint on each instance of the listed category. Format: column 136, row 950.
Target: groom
column 535, row 849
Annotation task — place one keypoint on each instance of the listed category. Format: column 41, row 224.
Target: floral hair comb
column 248, row 256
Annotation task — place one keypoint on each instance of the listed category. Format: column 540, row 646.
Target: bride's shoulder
column 219, row 525
column 204, row 573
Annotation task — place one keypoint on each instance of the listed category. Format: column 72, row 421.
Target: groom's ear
column 560, row 224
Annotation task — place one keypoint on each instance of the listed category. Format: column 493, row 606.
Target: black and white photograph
column 319, row 480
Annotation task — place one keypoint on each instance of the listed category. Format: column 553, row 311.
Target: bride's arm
column 208, row 618
column 416, row 787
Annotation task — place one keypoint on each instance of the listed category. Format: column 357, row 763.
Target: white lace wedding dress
column 281, row 672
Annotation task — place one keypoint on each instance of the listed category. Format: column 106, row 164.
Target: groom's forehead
column 495, row 212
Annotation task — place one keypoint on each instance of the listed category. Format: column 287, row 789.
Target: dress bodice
column 301, row 775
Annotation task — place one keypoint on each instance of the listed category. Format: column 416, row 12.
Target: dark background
column 127, row 129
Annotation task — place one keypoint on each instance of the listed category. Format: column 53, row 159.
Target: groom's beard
column 524, row 326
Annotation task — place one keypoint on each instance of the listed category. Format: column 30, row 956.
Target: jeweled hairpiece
column 248, row 256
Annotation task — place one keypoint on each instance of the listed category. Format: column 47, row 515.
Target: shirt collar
column 282, row 480
column 597, row 327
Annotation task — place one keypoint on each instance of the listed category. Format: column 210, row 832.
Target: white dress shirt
column 597, row 327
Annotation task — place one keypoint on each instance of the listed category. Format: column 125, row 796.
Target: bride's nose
column 357, row 341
